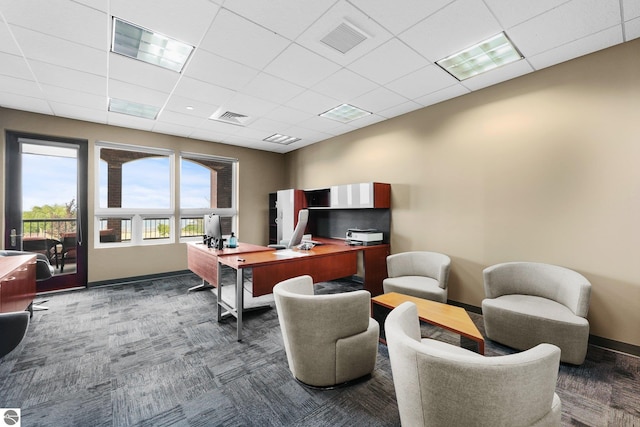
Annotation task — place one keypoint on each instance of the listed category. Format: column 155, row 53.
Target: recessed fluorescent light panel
column 281, row 139
column 145, row 45
column 484, row 56
column 133, row 109
column 345, row 113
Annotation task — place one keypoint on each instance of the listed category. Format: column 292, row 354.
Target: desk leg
column 219, row 293
column 239, row 299
column 200, row 287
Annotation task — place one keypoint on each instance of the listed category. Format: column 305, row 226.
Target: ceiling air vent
column 231, row 117
column 344, row 37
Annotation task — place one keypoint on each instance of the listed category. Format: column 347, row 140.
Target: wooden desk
column 450, row 317
column 17, row 282
column 331, row 260
column 203, row 261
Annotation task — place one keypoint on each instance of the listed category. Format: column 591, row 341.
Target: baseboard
column 125, row 280
column 594, row 340
column 621, row 347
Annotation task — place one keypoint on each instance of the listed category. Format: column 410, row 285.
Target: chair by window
column 69, row 243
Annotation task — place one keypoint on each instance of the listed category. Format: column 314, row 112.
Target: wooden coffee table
column 449, row 317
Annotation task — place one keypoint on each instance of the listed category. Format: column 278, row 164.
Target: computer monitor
column 213, row 231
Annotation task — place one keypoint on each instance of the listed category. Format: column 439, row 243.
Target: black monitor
column 213, row 231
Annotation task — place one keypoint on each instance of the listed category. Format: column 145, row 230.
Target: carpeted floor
column 152, row 354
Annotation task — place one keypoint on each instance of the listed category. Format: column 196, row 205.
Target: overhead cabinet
column 360, row 196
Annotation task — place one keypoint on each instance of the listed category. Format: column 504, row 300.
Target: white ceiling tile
column 565, row 24
column 199, row 109
column 378, row 100
column 442, row 95
column 313, row 102
column 577, row 48
column 268, row 125
column 124, row 120
column 322, row 124
column 498, row 75
column 19, row 86
column 632, row 29
column 434, row 37
column 401, row 109
column 301, row 66
column 61, row 52
column 399, row 15
column 343, row 12
column 217, row 70
column 288, row 115
column 240, row 40
column 171, row 117
column 63, row 19
column 26, row 103
column 344, row 85
column 14, row 66
column 172, row 129
column 272, row 88
column 186, row 21
column 248, row 105
column 286, row 17
column 140, row 73
column 7, row 43
column 74, row 97
column 509, row 14
column 367, row 120
column 202, row 91
column 422, row 82
column 79, row 113
column 388, row 62
column 71, row 79
column 139, row 94
column 631, row 9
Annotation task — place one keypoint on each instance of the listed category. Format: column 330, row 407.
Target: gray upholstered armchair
column 438, row 384
column 528, row 303
column 13, row 328
column 420, row 274
column 329, row 339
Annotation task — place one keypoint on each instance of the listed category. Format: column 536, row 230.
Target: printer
column 369, row 236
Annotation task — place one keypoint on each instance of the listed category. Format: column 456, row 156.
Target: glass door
column 46, row 187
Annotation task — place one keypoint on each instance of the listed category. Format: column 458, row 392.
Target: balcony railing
column 52, row 228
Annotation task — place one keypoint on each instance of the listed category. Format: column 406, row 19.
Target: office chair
column 298, row 232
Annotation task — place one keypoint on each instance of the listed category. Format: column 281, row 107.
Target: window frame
column 137, row 216
column 201, row 212
column 174, row 213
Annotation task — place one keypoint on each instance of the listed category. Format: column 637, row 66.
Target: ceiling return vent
column 344, row 37
column 231, row 118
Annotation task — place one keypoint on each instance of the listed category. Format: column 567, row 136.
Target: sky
column 50, row 180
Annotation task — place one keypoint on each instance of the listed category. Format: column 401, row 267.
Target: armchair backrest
column 420, row 263
column 435, row 386
column 311, row 324
column 559, row 284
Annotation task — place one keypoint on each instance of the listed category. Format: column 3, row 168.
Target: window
column 136, row 195
column 207, row 185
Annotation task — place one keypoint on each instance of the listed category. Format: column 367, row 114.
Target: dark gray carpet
column 151, row 354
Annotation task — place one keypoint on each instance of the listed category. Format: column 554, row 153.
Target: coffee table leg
column 379, row 314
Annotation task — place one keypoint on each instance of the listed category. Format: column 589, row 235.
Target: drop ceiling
column 270, row 61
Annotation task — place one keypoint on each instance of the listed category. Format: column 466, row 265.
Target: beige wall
column 260, row 173
column 544, row 168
